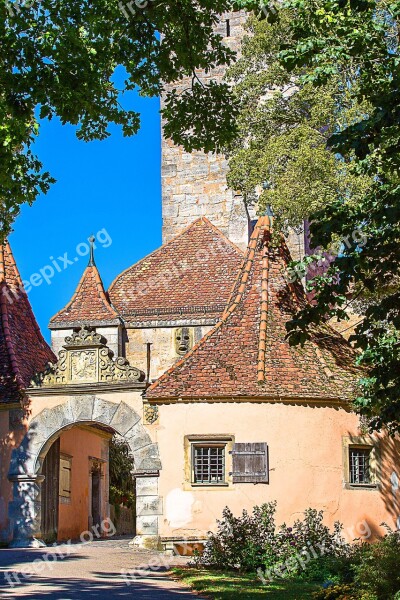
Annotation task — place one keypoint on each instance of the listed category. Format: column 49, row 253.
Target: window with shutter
column 65, row 476
column 250, row 463
column 208, row 460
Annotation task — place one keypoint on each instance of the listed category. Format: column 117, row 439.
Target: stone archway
column 27, row 460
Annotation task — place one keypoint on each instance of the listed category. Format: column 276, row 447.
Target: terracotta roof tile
column 247, row 355
column 189, row 277
column 23, row 350
column 89, row 304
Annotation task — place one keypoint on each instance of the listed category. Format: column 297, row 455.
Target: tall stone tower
column 194, row 184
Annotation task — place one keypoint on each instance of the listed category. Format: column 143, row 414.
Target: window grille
column 209, row 464
column 360, row 465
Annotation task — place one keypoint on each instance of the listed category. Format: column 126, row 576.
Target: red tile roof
column 89, row 304
column 189, row 277
column 246, row 354
column 23, row 350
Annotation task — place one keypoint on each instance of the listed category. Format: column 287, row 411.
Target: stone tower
column 194, row 184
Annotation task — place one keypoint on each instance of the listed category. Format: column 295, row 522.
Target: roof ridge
column 99, row 287
column 215, row 228
column 103, row 294
column 171, row 241
column 2, row 265
column 243, row 276
column 249, row 345
column 18, row 321
column 3, row 278
column 5, row 247
column 7, row 336
column 262, row 344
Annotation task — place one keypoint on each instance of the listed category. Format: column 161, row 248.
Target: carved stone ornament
column 183, row 340
column 150, row 413
column 85, row 358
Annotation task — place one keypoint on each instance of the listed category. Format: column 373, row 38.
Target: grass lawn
column 231, row 586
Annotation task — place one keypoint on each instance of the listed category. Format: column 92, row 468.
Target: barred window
column 209, row 464
column 360, row 465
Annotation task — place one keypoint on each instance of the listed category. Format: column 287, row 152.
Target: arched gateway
column 27, row 460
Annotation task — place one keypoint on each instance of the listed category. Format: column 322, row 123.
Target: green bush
column 308, row 551
column 252, row 542
column 377, row 570
column 336, row 592
column 241, row 543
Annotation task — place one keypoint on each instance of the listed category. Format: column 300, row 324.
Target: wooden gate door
column 50, row 493
column 96, row 499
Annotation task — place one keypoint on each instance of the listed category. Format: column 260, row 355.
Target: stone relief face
column 183, row 340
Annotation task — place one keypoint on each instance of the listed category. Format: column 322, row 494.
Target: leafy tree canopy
column 359, row 37
column 280, row 155
column 58, row 58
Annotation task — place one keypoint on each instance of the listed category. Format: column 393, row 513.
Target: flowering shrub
column 307, row 550
column 252, row 542
column 378, row 568
column 337, row 592
column 241, row 543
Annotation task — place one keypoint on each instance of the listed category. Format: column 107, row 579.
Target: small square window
column 208, row 464
column 359, row 463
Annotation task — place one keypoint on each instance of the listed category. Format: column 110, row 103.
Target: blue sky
column 113, row 185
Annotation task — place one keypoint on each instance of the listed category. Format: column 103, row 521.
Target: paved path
column 103, row 570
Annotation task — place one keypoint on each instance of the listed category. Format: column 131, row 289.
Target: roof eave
column 78, row 323
column 264, row 398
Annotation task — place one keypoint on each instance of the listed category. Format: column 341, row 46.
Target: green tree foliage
column 284, row 125
column 58, row 58
column 360, row 37
column 122, row 484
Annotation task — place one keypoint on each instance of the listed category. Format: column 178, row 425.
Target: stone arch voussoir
column 27, row 459
column 46, row 426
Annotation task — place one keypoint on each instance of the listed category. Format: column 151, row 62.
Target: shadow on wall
column 13, row 427
column 390, row 478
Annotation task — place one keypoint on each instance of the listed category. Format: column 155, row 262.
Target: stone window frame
column 228, row 440
column 364, row 442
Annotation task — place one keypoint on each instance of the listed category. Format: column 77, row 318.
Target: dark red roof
column 23, row 350
column 89, row 304
column 189, row 277
column 246, row 354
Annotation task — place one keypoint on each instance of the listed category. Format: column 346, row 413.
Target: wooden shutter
column 250, row 463
column 65, row 476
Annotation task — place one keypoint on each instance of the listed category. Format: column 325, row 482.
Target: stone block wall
column 163, row 352
column 194, row 184
column 112, row 334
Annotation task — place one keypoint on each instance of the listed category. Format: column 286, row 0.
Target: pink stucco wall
column 81, row 444
column 9, row 439
column 306, row 466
